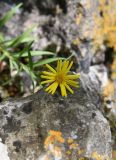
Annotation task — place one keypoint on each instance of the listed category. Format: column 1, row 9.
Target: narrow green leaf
column 73, row 54
column 19, row 54
column 9, row 15
column 11, row 65
column 30, row 57
column 33, row 53
column 16, row 66
column 27, row 69
column 25, row 37
column 1, row 37
column 2, row 57
column 46, row 61
column 6, row 82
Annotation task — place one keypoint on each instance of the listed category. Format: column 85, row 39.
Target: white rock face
column 3, row 151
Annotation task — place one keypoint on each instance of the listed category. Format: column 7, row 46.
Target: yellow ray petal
column 72, row 76
column 48, row 88
column 60, row 77
column 50, row 68
column 70, row 65
column 65, row 66
column 48, row 77
column 47, row 81
column 63, row 90
column 52, row 88
column 72, row 83
column 48, row 73
column 59, row 65
column 67, row 86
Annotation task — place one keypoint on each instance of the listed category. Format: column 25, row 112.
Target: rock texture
column 59, row 25
column 25, row 122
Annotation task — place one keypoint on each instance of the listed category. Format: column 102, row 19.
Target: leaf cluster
column 14, row 50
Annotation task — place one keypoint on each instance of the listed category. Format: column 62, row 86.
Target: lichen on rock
column 78, row 116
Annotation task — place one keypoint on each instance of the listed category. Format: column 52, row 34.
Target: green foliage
column 9, row 15
column 13, row 50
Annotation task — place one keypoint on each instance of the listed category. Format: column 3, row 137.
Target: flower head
column 60, row 77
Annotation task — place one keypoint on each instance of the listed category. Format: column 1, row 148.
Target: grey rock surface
column 26, row 122
column 57, row 27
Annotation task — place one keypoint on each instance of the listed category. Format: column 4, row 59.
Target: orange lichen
column 54, row 136
column 55, row 148
column 109, row 89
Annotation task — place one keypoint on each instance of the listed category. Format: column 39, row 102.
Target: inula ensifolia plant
column 60, row 77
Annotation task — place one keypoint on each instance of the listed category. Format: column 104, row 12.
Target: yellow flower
column 60, row 77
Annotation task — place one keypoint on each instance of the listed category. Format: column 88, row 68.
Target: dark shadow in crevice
column 108, row 56
column 109, row 59
column 48, row 7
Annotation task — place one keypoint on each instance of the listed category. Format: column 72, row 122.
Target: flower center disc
column 60, row 78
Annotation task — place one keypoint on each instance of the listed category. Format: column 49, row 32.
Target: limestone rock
column 26, row 122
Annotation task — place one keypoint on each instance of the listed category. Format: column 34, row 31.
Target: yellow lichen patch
column 113, row 69
column 114, row 154
column 109, row 89
column 60, row 77
column 105, row 24
column 86, row 4
column 73, row 146
column 55, row 148
column 46, row 158
column 96, row 156
column 113, row 75
column 68, row 152
column 53, row 137
column 80, row 151
column 70, row 140
column 76, row 41
column 79, row 18
column 82, row 158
